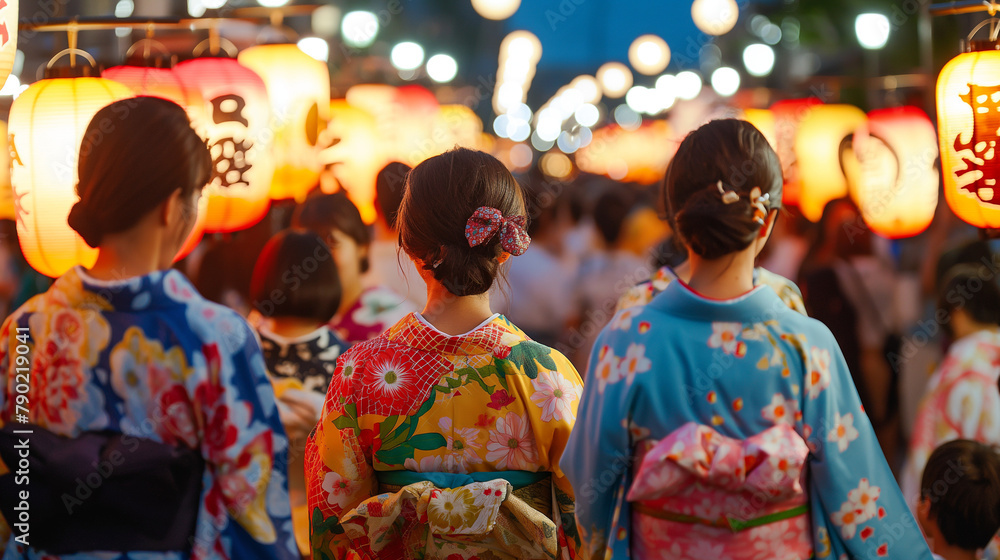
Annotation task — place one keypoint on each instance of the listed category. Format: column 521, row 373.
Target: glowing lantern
column 355, row 156
column 47, row 124
column 968, row 108
column 298, row 86
column 891, row 168
column 639, row 156
column 763, row 119
column 817, row 149
column 239, row 139
column 7, row 211
column 787, row 116
column 8, row 37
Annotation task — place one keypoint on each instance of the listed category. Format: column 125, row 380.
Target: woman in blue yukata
column 155, row 433
column 716, row 422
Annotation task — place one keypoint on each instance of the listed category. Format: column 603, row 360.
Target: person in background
column 299, row 348
column 959, row 507
column 127, row 355
column 851, row 290
column 453, row 412
column 540, row 283
column 716, row 422
column 388, row 267
column 365, row 312
column 961, row 400
column 604, row 275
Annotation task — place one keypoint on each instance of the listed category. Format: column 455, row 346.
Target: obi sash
column 755, row 481
column 497, row 515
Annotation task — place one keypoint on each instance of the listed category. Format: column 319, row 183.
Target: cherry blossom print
column 512, row 445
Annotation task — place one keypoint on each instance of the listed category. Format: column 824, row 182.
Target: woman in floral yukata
column 129, row 347
column 717, row 422
column 441, row 438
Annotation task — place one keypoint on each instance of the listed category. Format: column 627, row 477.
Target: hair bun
column 80, row 220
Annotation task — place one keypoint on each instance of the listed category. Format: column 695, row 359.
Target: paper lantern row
column 262, row 126
column 884, row 160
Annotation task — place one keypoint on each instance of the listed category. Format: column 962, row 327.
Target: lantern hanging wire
column 147, row 43
column 994, row 29
column 71, row 34
column 215, row 43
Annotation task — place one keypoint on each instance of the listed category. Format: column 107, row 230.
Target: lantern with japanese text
column 968, row 108
column 788, row 115
column 238, row 115
column 8, row 37
column 46, row 126
column 298, row 86
column 817, row 150
column 891, row 168
column 355, row 155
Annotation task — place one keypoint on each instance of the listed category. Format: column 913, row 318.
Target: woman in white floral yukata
column 717, row 422
column 365, row 310
column 441, row 438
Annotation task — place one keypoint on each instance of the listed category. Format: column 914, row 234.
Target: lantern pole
column 968, row 7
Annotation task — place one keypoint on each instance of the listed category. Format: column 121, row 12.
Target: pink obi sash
column 696, row 475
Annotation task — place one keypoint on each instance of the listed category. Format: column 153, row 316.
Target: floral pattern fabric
column 415, row 399
column 745, row 370
column 961, row 402
column 149, row 357
column 377, row 309
column 644, row 292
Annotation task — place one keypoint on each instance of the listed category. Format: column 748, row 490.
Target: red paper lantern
column 237, row 128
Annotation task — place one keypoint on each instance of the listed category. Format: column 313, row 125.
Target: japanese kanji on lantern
column 46, row 126
column 8, row 37
column 238, row 116
column 891, row 167
column 968, row 110
column 817, row 150
column 298, row 87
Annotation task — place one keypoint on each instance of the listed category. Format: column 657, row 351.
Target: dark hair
column 965, row 288
column 389, row 185
column 135, row 153
column 322, row 213
column 610, row 211
column 296, row 276
column 736, row 153
column 441, row 195
column 962, row 483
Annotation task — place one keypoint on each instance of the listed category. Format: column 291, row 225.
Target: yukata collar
column 758, row 305
column 413, row 332
column 159, row 289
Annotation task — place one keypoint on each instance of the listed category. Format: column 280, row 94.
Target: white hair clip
column 728, row 197
column 761, row 203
